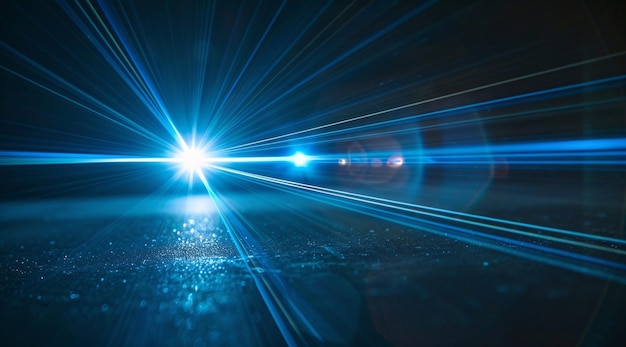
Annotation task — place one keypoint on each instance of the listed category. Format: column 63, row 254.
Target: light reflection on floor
column 149, row 277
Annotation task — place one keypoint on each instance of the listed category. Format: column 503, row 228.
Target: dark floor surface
column 109, row 274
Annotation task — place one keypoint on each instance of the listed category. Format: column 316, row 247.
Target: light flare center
column 192, row 159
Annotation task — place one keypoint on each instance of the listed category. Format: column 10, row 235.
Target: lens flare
column 300, row 159
column 191, row 160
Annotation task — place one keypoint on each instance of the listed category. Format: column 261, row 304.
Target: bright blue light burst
column 192, row 159
column 300, row 159
column 281, row 69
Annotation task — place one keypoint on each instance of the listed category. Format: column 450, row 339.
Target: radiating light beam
column 190, row 158
column 272, row 292
column 382, row 128
column 441, row 213
column 122, row 60
column 476, row 225
column 431, row 100
column 114, row 117
column 10, row 158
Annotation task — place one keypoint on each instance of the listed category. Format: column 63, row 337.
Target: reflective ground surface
column 125, row 271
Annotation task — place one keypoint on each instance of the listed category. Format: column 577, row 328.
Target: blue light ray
column 431, row 100
column 469, row 235
column 611, row 151
column 382, row 128
column 354, row 49
column 207, row 30
column 198, row 157
column 267, row 288
column 229, row 72
column 586, row 145
column 123, row 121
column 248, row 61
column 430, row 211
column 126, row 64
column 10, row 158
column 258, row 92
column 506, row 101
column 614, row 164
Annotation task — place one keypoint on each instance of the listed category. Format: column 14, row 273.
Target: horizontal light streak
column 9, row 158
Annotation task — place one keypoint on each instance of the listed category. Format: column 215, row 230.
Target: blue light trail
column 597, row 265
column 443, row 97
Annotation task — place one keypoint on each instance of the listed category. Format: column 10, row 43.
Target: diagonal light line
column 248, row 98
column 139, row 82
column 517, row 98
column 279, row 73
column 397, row 23
column 250, row 58
column 207, row 30
column 418, row 209
column 281, row 316
column 501, row 244
column 229, row 72
column 466, row 235
column 442, row 97
column 353, row 133
column 131, row 126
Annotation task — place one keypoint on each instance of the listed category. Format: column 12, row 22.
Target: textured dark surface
column 146, row 278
